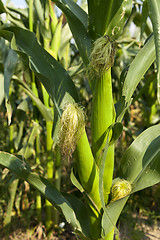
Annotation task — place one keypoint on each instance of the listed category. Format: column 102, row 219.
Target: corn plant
column 95, row 34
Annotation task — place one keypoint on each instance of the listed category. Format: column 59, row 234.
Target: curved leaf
column 154, row 8
column 78, row 30
column 2, row 8
column 53, row 76
column 137, row 69
column 150, row 173
column 135, row 159
column 76, row 10
column 48, row 190
column 141, row 157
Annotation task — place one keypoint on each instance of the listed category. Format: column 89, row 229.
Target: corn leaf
column 2, row 8
column 141, row 154
column 53, row 76
column 73, row 214
column 150, row 173
column 154, row 8
column 80, row 33
column 117, row 22
column 141, row 63
column 108, row 16
column 76, row 9
column 139, row 165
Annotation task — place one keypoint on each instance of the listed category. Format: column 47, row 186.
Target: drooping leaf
column 135, row 159
column 110, row 217
column 77, row 10
column 137, row 69
column 81, row 213
column 22, row 170
column 116, row 132
column 2, row 8
column 150, row 172
column 80, row 34
column 53, row 76
column 141, row 157
column 154, row 8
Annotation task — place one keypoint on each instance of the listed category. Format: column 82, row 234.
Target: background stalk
column 12, row 187
column 35, row 91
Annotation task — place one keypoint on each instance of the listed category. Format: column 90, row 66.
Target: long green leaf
column 154, row 8
column 2, row 8
column 47, row 189
column 150, row 173
column 137, row 69
column 108, row 16
column 76, row 10
column 53, row 76
column 135, row 159
column 78, row 30
column 141, row 157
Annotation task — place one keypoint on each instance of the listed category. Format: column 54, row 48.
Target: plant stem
column 57, row 180
column 31, row 15
column 49, row 143
column 102, row 117
column 38, row 195
column 12, row 187
column 89, row 177
column 35, row 91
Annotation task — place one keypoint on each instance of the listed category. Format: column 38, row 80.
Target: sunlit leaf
column 154, row 9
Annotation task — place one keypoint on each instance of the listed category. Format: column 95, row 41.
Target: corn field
column 79, row 114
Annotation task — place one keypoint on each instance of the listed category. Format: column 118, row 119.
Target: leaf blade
column 154, row 7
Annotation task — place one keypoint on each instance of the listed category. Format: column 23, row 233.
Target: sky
column 17, row 3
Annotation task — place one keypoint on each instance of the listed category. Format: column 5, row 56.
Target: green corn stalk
column 35, row 91
column 12, row 187
column 57, row 180
column 139, row 161
column 89, row 177
column 53, row 49
column 54, row 20
column 50, row 165
column 103, row 117
column 38, row 196
column 55, row 43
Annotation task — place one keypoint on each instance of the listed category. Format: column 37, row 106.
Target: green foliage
column 97, row 216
